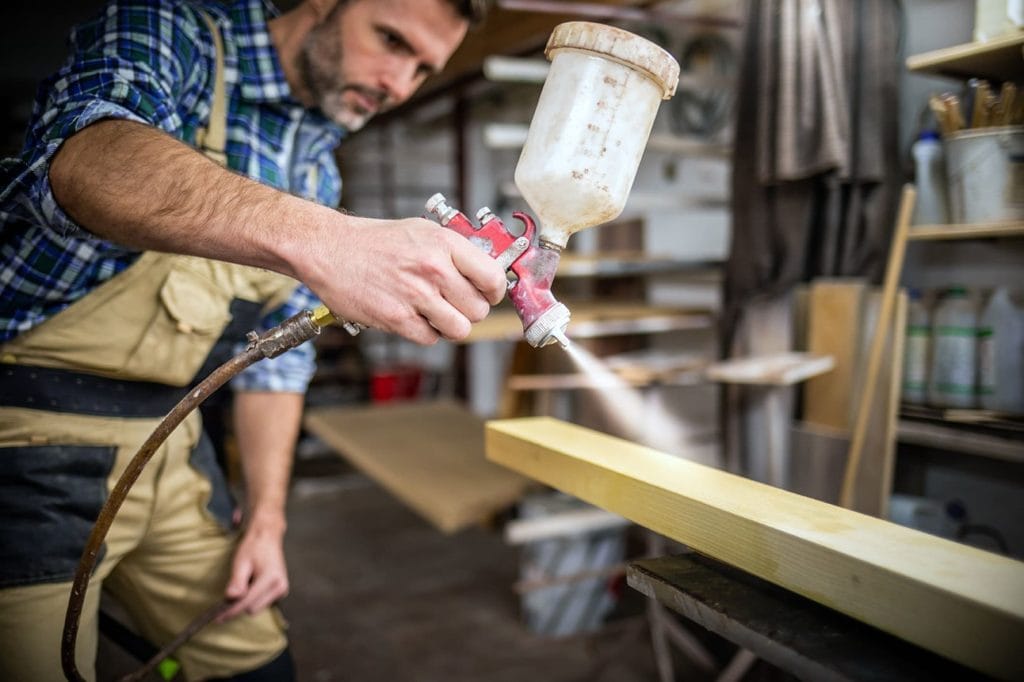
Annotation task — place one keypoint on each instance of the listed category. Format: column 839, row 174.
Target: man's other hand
column 259, row 575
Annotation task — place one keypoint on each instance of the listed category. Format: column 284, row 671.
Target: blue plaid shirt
column 153, row 62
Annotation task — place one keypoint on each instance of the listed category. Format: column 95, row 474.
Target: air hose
column 293, row 332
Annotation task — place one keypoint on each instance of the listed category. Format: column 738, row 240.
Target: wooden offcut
column 833, row 328
column 958, row 601
column 428, row 455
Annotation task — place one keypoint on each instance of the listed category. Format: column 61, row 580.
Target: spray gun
column 531, row 265
column 578, row 164
column 528, row 261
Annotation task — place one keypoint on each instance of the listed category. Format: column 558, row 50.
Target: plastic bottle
column 915, row 350
column 954, row 346
column 591, row 125
column 1001, row 354
column 932, row 207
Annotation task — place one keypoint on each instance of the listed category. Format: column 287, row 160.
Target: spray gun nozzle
column 561, row 338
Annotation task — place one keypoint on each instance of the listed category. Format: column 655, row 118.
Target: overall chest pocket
column 189, row 317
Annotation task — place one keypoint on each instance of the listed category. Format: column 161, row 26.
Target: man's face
column 371, row 55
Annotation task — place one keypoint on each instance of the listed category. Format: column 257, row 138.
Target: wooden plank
column 576, row 522
column 956, row 600
column 795, row 634
column 879, row 338
column 429, row 455
column 871, row 480
column 833, row 324
column 778, row 369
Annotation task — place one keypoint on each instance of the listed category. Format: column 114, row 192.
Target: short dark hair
column 474, row 11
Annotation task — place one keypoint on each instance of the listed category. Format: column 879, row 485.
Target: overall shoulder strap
column 212, row 140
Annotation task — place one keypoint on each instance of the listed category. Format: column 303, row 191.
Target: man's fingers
column 480, row 269
column 240, row 577
column 446, row 319
column 465, row 298
column 260, row 594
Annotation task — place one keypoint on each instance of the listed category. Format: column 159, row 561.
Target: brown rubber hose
column 287, row 335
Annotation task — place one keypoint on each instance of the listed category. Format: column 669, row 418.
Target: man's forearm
column 266, row 427
column 134, row 185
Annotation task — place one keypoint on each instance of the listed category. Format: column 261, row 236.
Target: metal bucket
column 985, row 167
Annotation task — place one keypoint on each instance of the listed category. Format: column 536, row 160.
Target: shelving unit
column 1000, row 59
column 973, row 436
column 976, row 231
column 957, row 437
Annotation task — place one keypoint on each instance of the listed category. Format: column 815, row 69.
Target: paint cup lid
column 622, row 46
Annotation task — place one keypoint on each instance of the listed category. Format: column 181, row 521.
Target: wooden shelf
column 997, row 59
column 592, row 319
column 629, row 264
column 976, row 231
column 956, row 438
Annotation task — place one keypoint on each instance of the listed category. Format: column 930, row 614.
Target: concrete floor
column 379, row 594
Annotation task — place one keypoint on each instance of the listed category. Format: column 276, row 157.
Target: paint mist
column 630, row 414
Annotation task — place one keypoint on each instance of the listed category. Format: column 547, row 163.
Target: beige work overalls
column 167, row 558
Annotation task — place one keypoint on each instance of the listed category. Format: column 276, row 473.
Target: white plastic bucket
column 986, row 174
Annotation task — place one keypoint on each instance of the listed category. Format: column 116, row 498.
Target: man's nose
column 401, row 81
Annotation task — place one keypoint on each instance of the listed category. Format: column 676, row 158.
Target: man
column 129, row 254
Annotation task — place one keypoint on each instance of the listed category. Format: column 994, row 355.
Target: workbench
column 791, row 632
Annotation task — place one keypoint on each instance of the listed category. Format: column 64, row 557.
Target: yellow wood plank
column 958, row 601
column 429, row 455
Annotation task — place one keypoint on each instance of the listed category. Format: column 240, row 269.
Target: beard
column 320, row 67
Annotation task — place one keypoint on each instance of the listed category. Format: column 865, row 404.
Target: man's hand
column 411, row 277
column 266, row 426
column 259, row 576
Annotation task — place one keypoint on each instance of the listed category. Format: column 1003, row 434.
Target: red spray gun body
column 532, row 266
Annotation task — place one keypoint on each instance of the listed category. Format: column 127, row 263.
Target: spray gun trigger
column 510, row 255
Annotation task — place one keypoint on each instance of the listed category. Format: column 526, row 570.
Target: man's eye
column 392, row 40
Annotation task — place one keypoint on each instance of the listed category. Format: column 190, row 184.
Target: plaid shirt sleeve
column 148, row 62
column 138, row 62
column 292, row 371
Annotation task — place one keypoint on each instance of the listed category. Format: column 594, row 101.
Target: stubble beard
column 320, row 67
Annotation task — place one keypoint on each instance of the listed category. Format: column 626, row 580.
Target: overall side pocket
column 50, row 496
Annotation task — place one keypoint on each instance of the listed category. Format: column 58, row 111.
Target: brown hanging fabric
column 816, row 169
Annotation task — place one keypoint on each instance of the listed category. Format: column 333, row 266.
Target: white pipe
column 515, row 70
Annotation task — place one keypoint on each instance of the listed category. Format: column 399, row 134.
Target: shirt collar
column 262, row 78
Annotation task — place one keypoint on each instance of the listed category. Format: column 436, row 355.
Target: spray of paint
column 630, row 414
